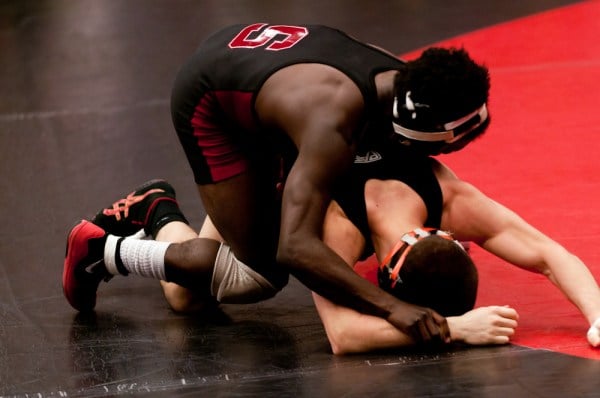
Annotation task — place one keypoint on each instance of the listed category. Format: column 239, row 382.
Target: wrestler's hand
column 484, row 325
column 593, row 334
column 422, row 324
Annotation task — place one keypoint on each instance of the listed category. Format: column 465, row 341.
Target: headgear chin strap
column 401, row 249
column 449, row 134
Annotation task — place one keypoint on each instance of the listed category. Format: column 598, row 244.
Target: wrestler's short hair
column 436, row 273
column 443, row 90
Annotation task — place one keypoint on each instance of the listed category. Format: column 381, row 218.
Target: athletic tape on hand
column 593, row 334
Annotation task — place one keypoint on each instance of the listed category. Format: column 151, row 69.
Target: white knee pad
column 233, row 282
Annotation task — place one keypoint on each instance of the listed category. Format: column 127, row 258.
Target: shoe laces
column 123, row 205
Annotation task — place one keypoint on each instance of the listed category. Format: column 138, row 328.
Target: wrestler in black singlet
column 414, row 171
column 212, row 102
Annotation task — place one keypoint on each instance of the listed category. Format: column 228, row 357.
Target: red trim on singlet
column 216, row 131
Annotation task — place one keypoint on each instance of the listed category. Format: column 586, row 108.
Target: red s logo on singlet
column 291, row 36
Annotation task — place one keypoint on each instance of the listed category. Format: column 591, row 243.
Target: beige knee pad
column 233, row 282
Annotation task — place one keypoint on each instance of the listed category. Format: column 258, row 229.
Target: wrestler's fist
column 424, row 325
column 593, row 334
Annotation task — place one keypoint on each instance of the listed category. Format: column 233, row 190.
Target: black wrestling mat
column 134, row 344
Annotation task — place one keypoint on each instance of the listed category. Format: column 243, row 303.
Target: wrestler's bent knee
column 233, row 282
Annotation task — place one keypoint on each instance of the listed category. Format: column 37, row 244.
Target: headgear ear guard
column 416, row 121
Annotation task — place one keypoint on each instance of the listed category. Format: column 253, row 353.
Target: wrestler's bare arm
column 321, row 112
column 473, row 216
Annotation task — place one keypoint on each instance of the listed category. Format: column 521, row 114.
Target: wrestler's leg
column 182, row 299
column 245, row 212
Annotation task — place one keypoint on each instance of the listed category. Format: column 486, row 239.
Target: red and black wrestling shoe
column 84, row 267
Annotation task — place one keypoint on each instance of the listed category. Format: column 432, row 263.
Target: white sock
column 110, row 249
column 139, row 257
